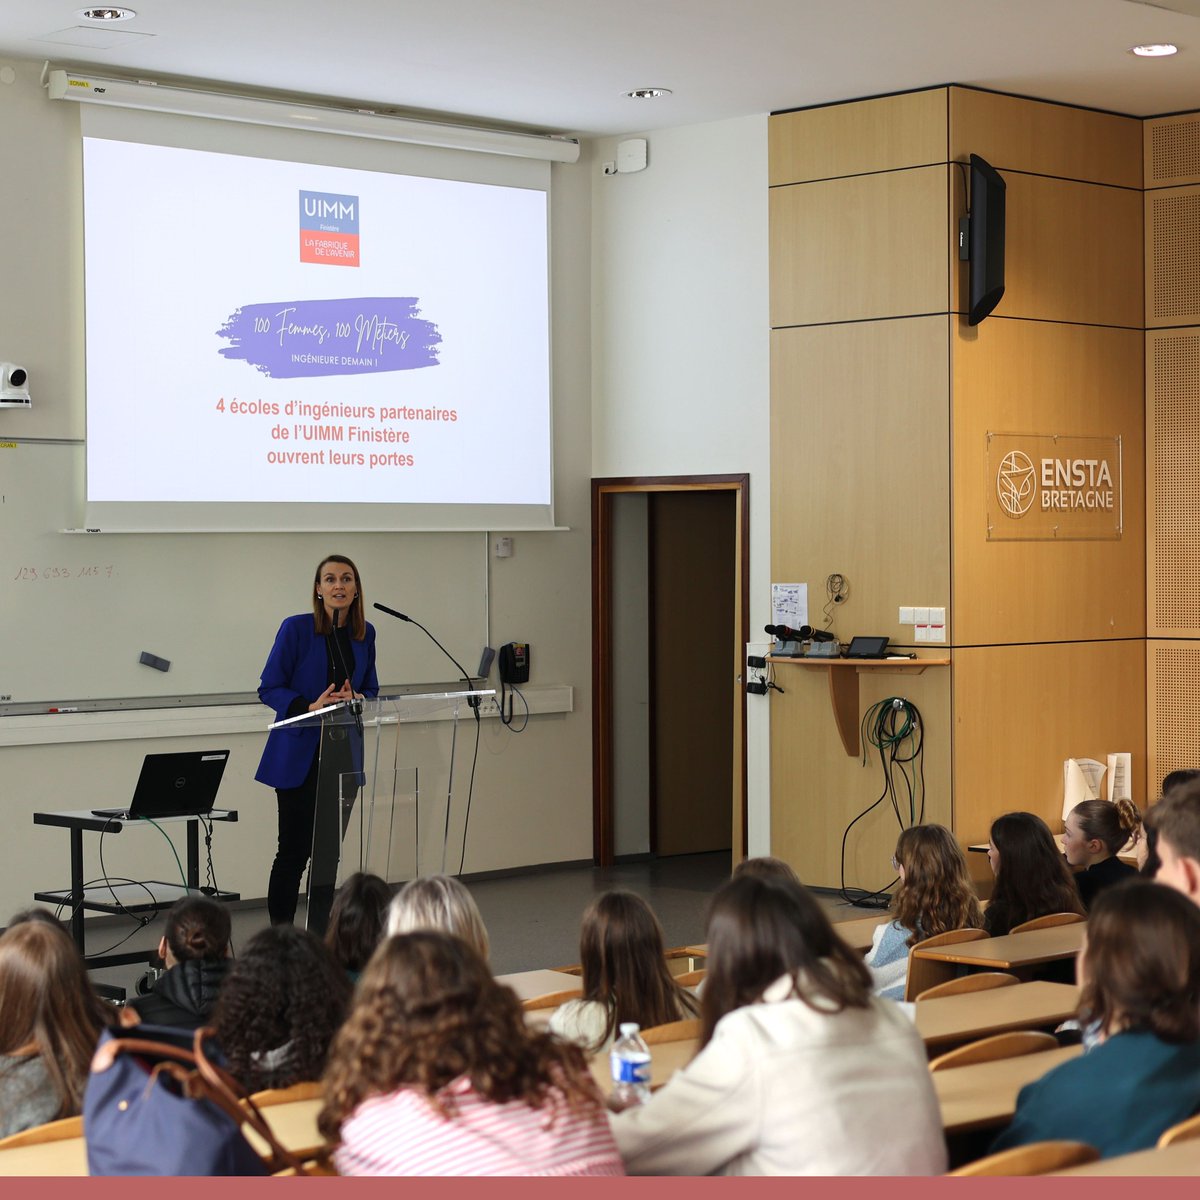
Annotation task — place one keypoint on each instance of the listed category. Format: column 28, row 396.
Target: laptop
column 174, row 785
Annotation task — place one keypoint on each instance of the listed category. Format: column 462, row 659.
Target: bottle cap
column 629, row 1027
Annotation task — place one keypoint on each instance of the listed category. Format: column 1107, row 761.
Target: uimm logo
column 329, row 229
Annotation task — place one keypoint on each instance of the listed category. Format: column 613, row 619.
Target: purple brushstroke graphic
column 294, row 339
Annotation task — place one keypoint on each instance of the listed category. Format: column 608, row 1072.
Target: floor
column 532, row 917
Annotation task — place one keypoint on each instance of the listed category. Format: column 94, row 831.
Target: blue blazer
column 298, row 666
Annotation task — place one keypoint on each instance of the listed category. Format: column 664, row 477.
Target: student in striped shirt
column 436, row 1073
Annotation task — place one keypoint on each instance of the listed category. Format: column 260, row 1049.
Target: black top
column 1101, row 875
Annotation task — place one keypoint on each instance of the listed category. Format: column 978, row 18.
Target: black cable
column 507, row 721
column 462, row 858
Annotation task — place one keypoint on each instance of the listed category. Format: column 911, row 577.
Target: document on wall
column 1082, row 778
column 789, row 604
column 1119, row 766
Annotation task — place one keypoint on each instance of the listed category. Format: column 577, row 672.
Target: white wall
column 681, row 335
column 533, row 790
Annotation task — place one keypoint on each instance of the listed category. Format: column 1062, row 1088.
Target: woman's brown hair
column 427, row 1012
column 760, row 930
column 936, row 893
column 1112, row 824
column 1142, row 962
column 625, row 967
column 1033, row 878
column 357, row 610
column 47, row 1006
column 198, row 927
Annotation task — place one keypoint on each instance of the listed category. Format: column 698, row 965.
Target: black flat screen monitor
column 987, row 240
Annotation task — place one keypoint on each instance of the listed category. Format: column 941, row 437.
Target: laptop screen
column 178, row 785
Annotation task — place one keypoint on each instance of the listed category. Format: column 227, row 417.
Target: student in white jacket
column 801, row 1070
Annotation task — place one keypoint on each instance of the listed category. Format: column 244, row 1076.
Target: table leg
column 77, row 887
column 193, row 854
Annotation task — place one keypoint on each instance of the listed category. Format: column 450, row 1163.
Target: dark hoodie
column 185, row 996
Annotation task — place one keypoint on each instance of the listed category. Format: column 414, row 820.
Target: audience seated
column 1032, row 877
column 1140, row 972
column 356, row 921
column 50, row 1020
column 801, row 1071
column 438, row 902
column 1145, row 848
column 279, row 1007
column 1093, row 833
column 625, row 976
column 1175, row 822
column 763, row 866
column 436, row 1073
column 935, row 895
column 195, row 949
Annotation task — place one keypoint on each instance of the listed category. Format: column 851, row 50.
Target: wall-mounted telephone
column 513, row 665
column 514, row 662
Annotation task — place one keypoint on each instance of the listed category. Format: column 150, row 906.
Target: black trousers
column 297, row 809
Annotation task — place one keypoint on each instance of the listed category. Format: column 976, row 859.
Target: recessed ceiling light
column 106, row 14
column 651, row 93
column 1154, row 50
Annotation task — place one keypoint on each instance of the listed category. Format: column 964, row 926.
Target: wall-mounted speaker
column 985, row 240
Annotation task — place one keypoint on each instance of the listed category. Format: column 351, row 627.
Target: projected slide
column 279, row 332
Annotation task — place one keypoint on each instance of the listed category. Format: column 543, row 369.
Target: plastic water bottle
column 630, row 1061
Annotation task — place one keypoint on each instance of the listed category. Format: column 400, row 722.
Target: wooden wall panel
column 1016, row 134
column 817, row 789
column 1073, row 252
column 1172, row 710
column 860, row 466
column 1034, row 377
column 853, row 249
column 1173, row 478
column 1171, row 150
column 1019, row 711
column 1172, row 250
column 881, row 134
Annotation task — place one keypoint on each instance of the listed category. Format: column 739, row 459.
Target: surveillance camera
column 14, row 386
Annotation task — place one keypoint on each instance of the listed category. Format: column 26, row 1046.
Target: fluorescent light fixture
column 225, row 106
column 1154, row 50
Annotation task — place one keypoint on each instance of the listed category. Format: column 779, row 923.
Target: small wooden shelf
column 843, row 684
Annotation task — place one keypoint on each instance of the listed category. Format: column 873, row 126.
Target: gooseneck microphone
column 806, row 633
column 472, row 701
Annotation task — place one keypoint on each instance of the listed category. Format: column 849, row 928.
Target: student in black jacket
column 195, row 949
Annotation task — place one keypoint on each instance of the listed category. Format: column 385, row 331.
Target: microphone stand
column 472, row 701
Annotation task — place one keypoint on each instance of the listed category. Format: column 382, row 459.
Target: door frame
column 603, row 491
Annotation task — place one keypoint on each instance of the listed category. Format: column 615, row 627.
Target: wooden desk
column 68, row 1157
column 984, row 1095
column 1181, row 1159
column 856, row 932
column 665, row 1059
column 529, row 984
column 1126, row 854
column 294, row 1124
column 951, row 1020
column 1014, row 949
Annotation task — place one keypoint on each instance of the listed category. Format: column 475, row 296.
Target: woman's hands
column 332, row 695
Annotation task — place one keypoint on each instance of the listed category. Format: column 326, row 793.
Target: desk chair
column 551, row 999
column 1185, row 1131
column 689, row 979
column 924, row 973
column 51, row 1131
column 1037, row 1158
column 1001, row 1045
column 307, row 1090
column 673, row 1031
column 984, row 981
column 1048, row 922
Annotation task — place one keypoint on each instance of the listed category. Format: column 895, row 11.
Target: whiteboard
column 80, row 608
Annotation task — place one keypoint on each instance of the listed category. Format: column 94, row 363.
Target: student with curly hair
column 356, row 921
column 1032, row 877
column 935, row 895
column 801, row 1070
column 1092, row 834
column 279, row 1007
column 1140, row 974
column 50, row 1021
column 436, row 1073
column 195, row 949
column 625, row 976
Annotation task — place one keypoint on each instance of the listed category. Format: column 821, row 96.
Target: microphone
column 473, row 702
column 806, row 633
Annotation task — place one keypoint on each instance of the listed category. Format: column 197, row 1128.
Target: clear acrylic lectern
column 386, row 789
